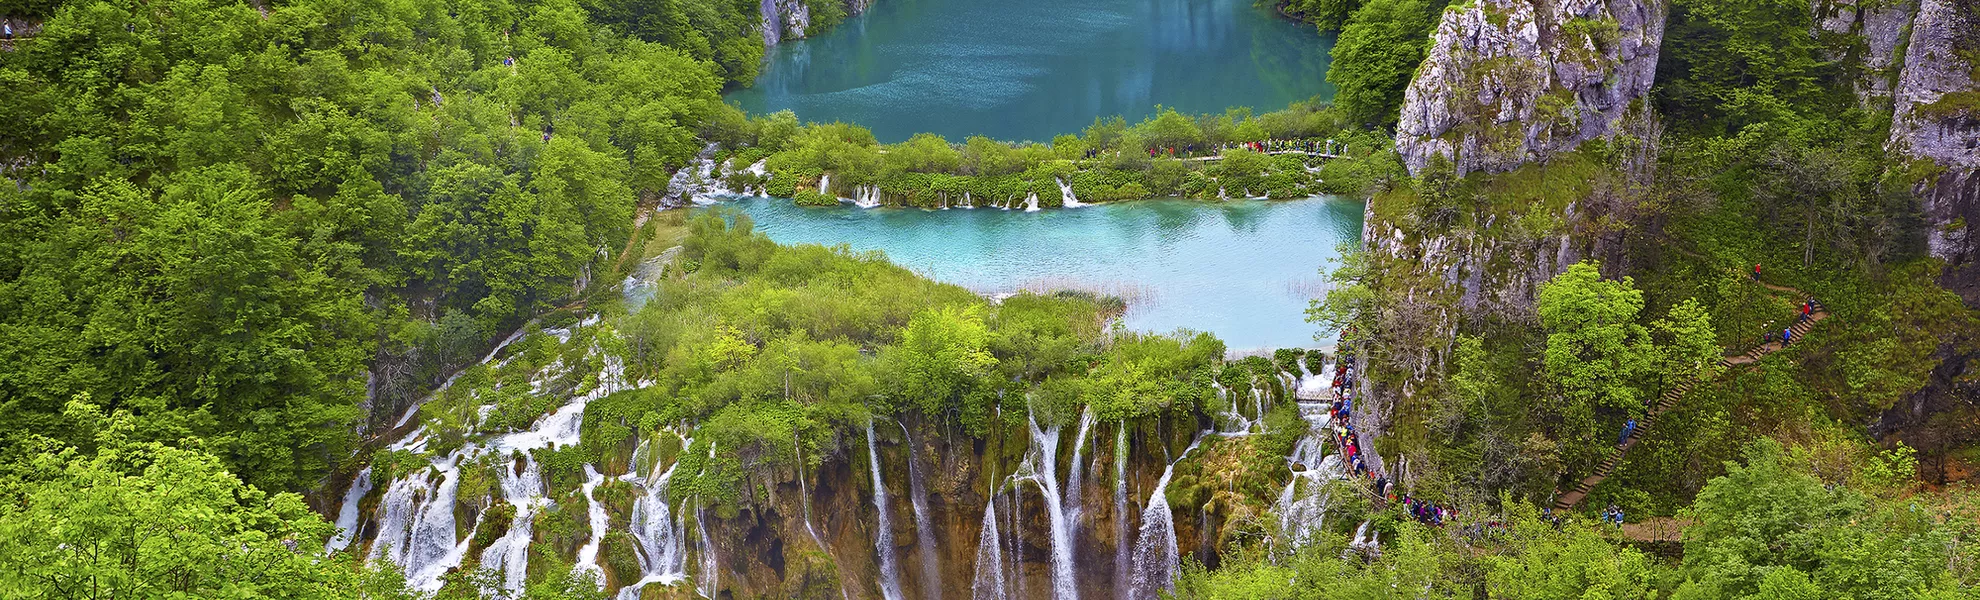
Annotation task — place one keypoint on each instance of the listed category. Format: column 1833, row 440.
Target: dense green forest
column 244, row 238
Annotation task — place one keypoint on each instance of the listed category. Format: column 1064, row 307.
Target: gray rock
column 1507, row 82
column 1937, row 119
column 1870, row 36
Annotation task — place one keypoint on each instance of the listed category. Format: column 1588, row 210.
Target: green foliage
column 1375, row 56
column 1765, row 527
column 1113, row 161
column 1596, row 353
column 142, row 519
column 243, row 210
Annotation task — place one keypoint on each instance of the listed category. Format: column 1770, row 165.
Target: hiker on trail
column 9, row 34
column 1756, row 271
column 1629, row 427
column 1787, row 337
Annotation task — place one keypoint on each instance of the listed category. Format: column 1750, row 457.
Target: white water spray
column 883, row 540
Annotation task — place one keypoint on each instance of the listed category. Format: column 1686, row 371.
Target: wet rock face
column 1507, row 82
column 1937, row 121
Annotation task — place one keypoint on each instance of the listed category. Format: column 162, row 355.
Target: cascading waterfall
column 706, row 582
column 429, row 548
column 417, row 529
column 989, row 582
column 661, row 534
column 1066, row 194
column 587, row 556
column 825, row 184
column 924, row 527
column 1303, row 504
column 347, row 513
column 1156, row 558
column 1031, row 202
column 1365, row 543
column 866, row 196
column 1044, row 472
column 883, row 540
column 509, row 554
column 1075, row 503
column 804, row 495
column 1121, row 571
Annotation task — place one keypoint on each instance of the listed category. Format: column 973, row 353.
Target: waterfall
column 710, row 575
column 422, row 538
column 924, row 528
column 1121, row 572
column 1156, row 559
column 509, row 554
column 416, row 525
column 866, row 196
column 825, row 184
column 968, row 202
column 1066, row 194
column 587, row 556
column 804, row 495
column 1031, row 202
column 1075, row 505
column 1044, row 472
column 989, row 582
column 663, row 556
column 883, row 540
column 1365, row 544
column 1303, row 504
column 347, row 513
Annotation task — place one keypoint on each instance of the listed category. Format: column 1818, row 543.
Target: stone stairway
column 1670, row 399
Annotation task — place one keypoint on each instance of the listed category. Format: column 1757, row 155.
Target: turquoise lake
column 1243, row 270
column 1033, row 69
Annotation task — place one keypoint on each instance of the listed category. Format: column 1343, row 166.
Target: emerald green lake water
column 1243, row 270
column 1033, row 69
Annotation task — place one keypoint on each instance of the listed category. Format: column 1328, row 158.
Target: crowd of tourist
column 1346, row 438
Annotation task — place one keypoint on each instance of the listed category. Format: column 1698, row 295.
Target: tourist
column 1756, row 271
column 1787, row 337
column 1629, row 427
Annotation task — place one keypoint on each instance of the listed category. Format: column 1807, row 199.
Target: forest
column 391, row 299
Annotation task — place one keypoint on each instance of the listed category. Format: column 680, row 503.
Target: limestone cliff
column 791, row 19
column 1865, row 36
column 1508, row 82
column 1936, row 123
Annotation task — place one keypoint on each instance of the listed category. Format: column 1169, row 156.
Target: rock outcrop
column 1508, row 82
column 783, row 18
column 791, row 19
column 1936, row 123
column 1866, row 36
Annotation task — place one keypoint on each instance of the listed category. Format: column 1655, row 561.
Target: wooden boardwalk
column 1670, row 399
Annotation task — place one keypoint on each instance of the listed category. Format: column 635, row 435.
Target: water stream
column 883, row 537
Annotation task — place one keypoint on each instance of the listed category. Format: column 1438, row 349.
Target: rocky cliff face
column 791, row 19
column 1866, row 36
column 1936, row 122
column 783, row 18
column 1508, row 82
